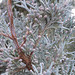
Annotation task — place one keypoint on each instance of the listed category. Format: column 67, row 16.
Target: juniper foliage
column 49, row 30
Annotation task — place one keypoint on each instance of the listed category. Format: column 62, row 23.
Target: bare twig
column 6, row 35
column 19, row 69
column 23, row 41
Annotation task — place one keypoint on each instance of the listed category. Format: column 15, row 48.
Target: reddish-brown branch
column 31, row 53
column 1, row 50
column 23, row 42
column 25, row 59
column 12, row 28
column 6, row 35
column 19, row 69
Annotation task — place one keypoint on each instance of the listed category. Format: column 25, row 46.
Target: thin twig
column 23, row 42
column 19, row 69
column 6, row 35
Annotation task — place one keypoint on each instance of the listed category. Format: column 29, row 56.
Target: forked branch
column 25, row 58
